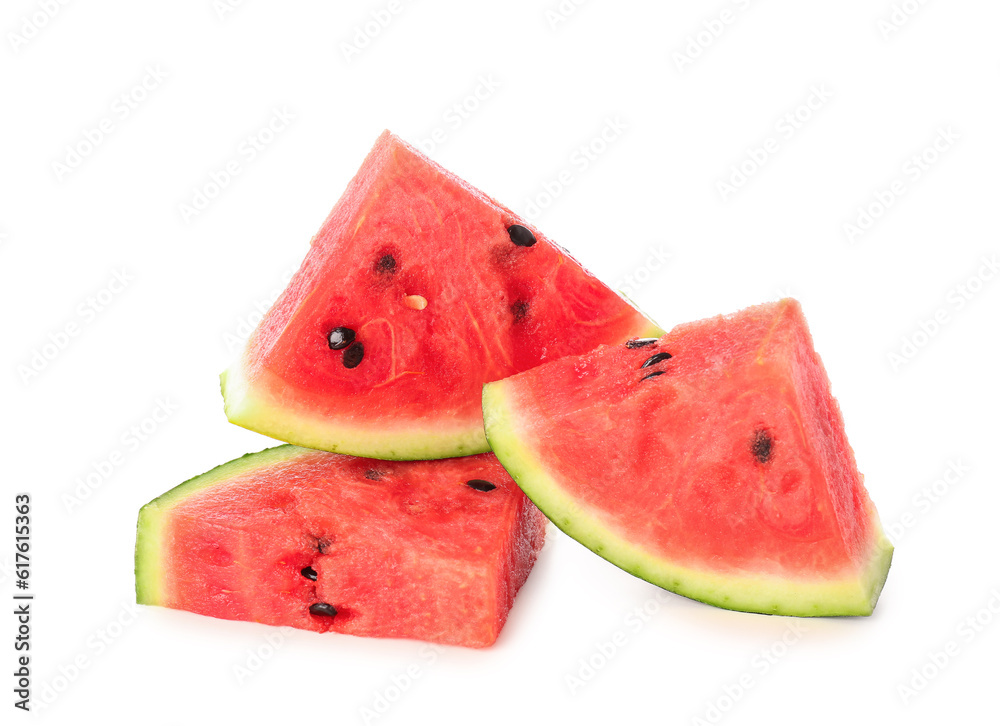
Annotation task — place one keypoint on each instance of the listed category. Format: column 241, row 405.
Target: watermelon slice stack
column 429, row 324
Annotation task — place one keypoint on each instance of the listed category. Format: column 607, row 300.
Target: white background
column 654, row 188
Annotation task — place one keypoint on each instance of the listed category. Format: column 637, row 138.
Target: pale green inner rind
column 652, row 331
column 154, row 516
column 426, row 440
column 735, row 591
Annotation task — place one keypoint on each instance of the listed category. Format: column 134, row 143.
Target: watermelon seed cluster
column 652, row 360
column 340, row 338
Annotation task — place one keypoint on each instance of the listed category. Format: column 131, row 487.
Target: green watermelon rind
column 152, row 516
column 426, row 440
column 749, row 593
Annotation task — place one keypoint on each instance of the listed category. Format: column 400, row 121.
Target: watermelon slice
column 288, row 536
column 712, row 462
column 417, row 290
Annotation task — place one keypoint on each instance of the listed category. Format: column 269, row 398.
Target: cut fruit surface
column 433, row 550
column 712, row 462
column 417, row 290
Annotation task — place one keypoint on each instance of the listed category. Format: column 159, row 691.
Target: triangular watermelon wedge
column 417, row 290
column 433, row 550
column 712, row 462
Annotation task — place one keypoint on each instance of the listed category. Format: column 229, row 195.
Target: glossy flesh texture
column 421, row 267
column 725, row 476
column 398, row 549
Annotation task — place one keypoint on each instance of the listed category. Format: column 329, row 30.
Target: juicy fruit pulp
column 326, row 542
column 712, row 462
column 417, row 290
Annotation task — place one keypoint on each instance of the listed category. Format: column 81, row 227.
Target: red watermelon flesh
column 327, row 542
column 441, row 296
column 720, row 470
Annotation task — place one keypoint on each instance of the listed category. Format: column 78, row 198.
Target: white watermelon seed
column 415, row 302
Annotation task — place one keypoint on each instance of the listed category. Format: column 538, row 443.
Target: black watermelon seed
column 519, row 310
column 309, row 573
column 323, row 608
column 373, row 475
column 354, row 355
column 640, row 342
column 481, row 485
column 521, row 236
column 654, row 359
column 340, row 338
column 321, row 544
column 762, row 446
column 386, row 264
column 654, row 374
